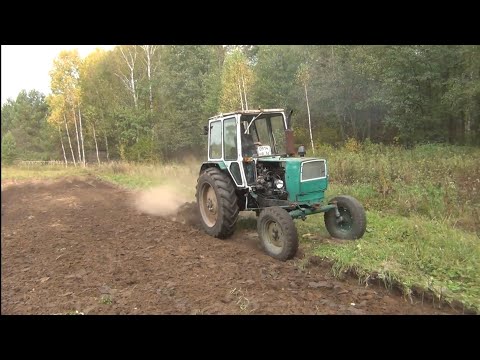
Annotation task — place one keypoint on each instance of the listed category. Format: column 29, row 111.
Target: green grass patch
column 181, row 177
column 130, row 181
column 40, row 172
column 412, row 252
column 246, row 221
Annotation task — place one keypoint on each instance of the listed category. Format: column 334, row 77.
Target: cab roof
column 248, row 112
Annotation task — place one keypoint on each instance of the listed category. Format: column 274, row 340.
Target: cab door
column 232, row 156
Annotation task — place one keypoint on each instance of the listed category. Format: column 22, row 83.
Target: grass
column 414, row 253
column 182, row 177
column 106, row 300
column 40, row 172
column 423, row 212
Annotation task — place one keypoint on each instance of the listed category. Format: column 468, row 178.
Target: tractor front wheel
column 217, row 203
column 278, row 234
column 352, row 222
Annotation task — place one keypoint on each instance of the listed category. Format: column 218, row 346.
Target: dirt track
column 79, row 245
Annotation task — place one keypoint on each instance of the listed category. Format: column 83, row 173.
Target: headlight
column 279, row 183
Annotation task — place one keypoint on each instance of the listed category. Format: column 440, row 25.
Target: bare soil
column 80, row 245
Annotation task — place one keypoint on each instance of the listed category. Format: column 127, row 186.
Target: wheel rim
column 208, row 205
column 347, row 221
column 273, row 236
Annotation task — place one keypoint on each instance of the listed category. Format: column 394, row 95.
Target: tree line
column 149, row 102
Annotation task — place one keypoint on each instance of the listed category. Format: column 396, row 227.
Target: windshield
column 267, row 130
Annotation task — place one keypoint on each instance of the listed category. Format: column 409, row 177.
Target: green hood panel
column 310, row 191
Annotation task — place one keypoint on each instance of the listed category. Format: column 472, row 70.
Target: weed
column 242, row 301
column 106, row 300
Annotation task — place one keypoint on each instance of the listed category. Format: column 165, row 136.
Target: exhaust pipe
column 289, row 139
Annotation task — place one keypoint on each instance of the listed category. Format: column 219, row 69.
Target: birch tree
column 129, row 55
column 98, row 96
column 63, row 147
column 78, row 137
column 65, row 77
column 237, row 78
column 96, row 144
column 150, row 51
column 81, row 134
column 58, row 118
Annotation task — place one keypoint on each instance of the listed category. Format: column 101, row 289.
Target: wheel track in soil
column 79, row 244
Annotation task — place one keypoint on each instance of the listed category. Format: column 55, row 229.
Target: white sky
column 27, row 66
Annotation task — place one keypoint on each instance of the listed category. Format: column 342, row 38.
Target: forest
column 149, row 103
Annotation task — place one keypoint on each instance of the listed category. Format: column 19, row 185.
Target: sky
column 27, row 66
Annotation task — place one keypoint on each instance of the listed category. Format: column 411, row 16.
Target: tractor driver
column 248, row 147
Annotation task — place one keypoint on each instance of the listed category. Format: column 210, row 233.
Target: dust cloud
column 164, row 201
column 175, row 198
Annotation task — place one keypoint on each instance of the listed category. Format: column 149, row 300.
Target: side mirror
column 205, row 130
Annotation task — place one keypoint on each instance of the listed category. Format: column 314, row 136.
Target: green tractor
column 252, row 166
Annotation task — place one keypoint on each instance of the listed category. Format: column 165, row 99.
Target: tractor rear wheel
column 217, row 203
column 352, row 223
column 278, row 234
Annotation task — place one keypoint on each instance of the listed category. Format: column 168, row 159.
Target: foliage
column 404, row 95
column 236, row 81
column 9, row 149
column 26, row 119
column 275, row 72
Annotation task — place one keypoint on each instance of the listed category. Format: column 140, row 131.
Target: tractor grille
column 313, row 170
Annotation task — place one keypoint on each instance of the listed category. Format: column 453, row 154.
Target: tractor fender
column 218, row 164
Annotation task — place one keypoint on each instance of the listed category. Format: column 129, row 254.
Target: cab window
column 215, row 149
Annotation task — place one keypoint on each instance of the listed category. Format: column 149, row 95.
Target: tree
column 151, row 67
column 275, row 72
column 65, row 83
column 101, row 95
column 237, row 78
column 9, row 151
column 190, row 78
column 58, row 118
column 26, row 118
column 128, row 75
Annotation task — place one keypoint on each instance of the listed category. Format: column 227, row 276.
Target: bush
column 143, row 151
column 9, row 149
column 435, row 181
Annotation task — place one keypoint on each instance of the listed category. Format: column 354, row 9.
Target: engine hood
column 286, row 159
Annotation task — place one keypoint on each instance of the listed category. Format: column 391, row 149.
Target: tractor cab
column 238, row 139
column 265, row 130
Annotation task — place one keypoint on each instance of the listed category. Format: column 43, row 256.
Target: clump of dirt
column 188, row 214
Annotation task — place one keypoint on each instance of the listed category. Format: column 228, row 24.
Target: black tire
column 354, row 220
column 277, row 232
column 217, row 203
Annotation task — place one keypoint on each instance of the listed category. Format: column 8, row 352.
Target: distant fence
column 55, row 163
column 35, row 162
